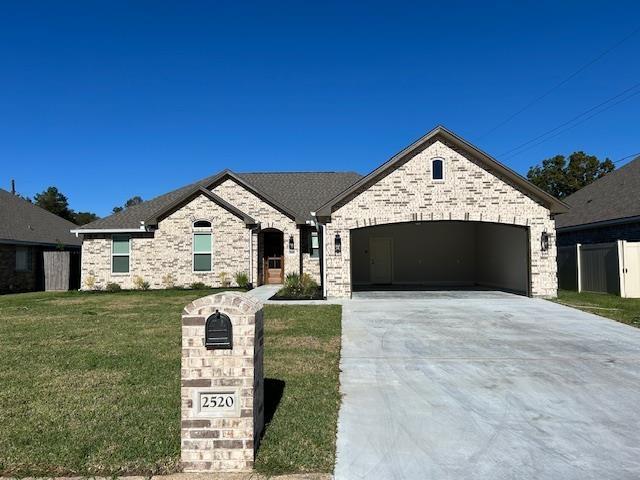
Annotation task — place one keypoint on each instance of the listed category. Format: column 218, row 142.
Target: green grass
column 624, row 310
column 90, row 384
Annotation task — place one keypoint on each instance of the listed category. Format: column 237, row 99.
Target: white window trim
column 195, row 231
column 444, row 175
column 120, row 274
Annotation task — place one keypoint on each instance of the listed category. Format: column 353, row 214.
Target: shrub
column 90, row 282
column 242, row 279
column 297, row 286
column 113, row 287
column 223, row 277
column 198, row 286
column 168, row 281
column 140, row 283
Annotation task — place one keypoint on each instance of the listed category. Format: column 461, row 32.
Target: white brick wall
column 469, row 192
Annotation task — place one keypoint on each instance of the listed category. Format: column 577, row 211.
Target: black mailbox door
column 218, row 333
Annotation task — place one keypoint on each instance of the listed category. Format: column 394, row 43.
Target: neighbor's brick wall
column 469, row 192
column 611, row 233
column 12, row 281
column 268, row 216
column 169, row 249
column 222, row 443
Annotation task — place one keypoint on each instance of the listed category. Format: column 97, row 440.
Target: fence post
column 621, row 275
column 578, row 245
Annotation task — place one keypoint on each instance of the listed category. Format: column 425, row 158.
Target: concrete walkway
column 265, row 292
column 485, row 385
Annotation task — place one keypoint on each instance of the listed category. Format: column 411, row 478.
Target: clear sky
column 107, row 99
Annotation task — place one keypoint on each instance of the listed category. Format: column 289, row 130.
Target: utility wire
column 574, row 119
column 628, row 156
column 576, row 124
column 558, row 85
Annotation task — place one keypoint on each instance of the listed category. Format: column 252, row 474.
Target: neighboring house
column 605, row 210
column 26, row 231
column 440, row 213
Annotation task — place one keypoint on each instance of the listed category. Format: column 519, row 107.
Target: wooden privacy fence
column 601, row 267
column 61, row 270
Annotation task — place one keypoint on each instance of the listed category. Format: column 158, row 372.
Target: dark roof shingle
column 612, row 197
column 299, row 192
column 24, row 222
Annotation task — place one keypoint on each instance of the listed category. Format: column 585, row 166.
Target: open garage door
column 441, row 254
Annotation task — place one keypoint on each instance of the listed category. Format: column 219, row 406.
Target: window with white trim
column 437, row 169
column 202, row 246
column 120, row 253
column 314, row 245
column 24, row 259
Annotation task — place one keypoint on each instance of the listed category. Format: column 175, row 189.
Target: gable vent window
column 202, row 246
column 120, row 253
column 437, row 169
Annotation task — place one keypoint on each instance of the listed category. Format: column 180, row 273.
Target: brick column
column 222, row 393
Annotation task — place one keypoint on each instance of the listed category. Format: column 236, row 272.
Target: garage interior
column 441, row 255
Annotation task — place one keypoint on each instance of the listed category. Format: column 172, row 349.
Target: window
column 201, row 224
column 201, row 252
column 314, row 247
column 23, row 259
column 120, row 251
column 437, row 169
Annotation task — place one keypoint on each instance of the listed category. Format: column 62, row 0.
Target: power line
column 576, row 124
column 574, row 119
column 628, row 156
column 558, row 85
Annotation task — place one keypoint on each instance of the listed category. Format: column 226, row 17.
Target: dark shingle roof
column 299, row 192
column 614, row 196
column 21, row 221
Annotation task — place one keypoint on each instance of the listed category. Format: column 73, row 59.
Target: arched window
column 437, row 169
column 202, row 246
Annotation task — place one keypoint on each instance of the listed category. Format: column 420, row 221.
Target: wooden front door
column 273, row 270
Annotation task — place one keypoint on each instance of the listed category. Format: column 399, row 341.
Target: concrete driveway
column 485, row 385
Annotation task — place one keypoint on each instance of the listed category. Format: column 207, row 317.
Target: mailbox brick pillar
column 222, row 390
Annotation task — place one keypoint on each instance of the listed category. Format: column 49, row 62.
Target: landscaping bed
column 299, row 287
column 624, row 310
column 91, row 384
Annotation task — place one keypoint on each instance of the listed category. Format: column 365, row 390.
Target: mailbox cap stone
column 233, row 302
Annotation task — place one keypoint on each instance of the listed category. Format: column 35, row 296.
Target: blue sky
column 107, row 100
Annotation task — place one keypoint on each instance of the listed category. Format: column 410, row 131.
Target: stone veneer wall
column 311, row 266
column 169, row 249
column 268, row 216
column 469, row 192
column 224, row 443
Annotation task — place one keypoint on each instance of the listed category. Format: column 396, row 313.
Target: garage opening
column 441, row 255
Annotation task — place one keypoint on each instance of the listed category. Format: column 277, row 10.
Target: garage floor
column 485, row 385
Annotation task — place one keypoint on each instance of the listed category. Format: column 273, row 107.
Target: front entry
column 272, row 257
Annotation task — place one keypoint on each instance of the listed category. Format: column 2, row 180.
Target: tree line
column 57, row 203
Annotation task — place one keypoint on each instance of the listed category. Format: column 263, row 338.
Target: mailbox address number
column 214, row 403
column 222, row 400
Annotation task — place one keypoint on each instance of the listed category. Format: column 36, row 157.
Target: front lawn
column 625, row 310
column 90, row 384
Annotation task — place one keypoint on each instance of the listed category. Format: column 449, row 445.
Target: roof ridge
column 298, row 171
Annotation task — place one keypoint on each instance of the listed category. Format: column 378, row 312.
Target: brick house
column 26, row 231
column 440, row 213
column 605, row 210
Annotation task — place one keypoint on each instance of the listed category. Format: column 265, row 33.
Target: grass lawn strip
column 624, row 310
column 91, row 384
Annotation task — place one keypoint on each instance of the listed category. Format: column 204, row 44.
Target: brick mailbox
column 222, row 391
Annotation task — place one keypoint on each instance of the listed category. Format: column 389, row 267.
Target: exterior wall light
column 291, row 244
column 338, row 244
column 544, row 241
